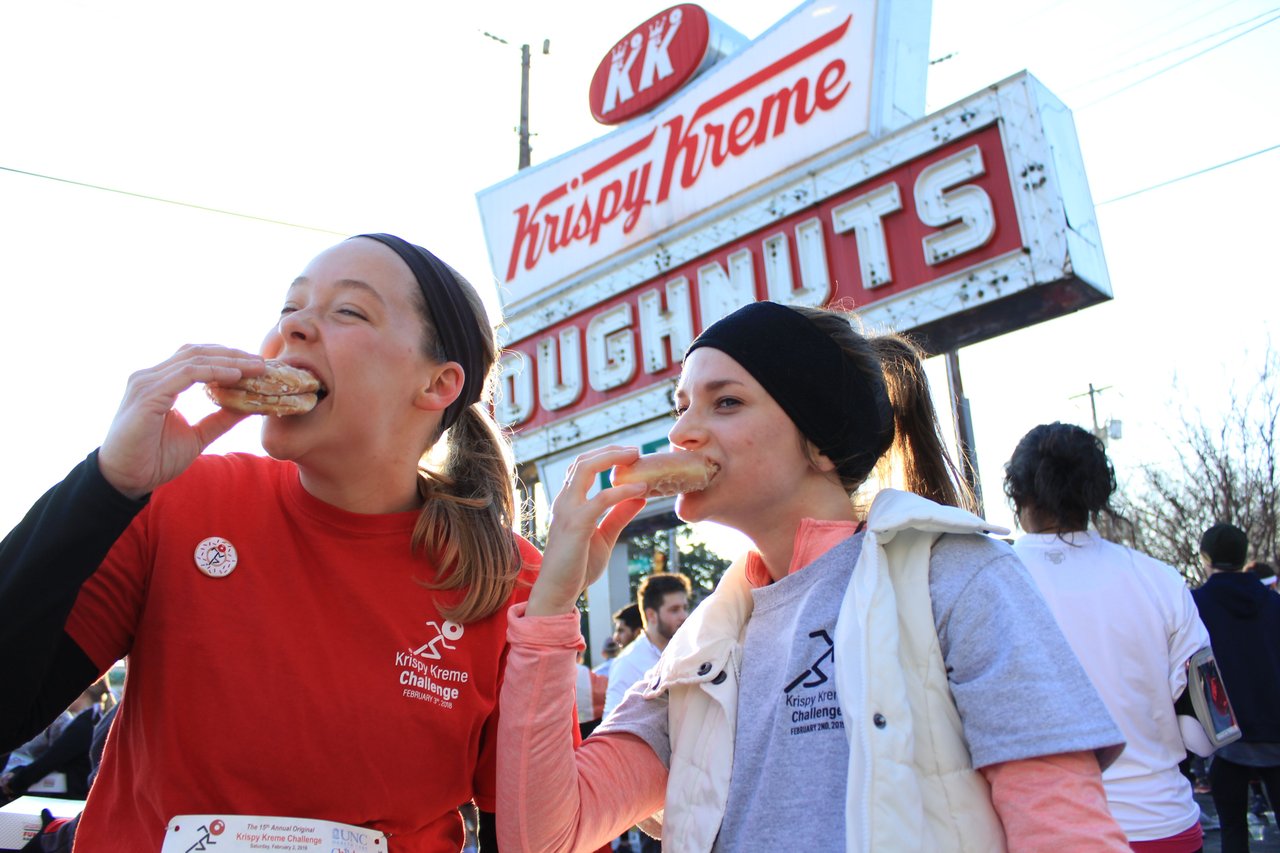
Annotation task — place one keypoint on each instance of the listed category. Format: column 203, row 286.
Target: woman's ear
column 444, row 384
column 817, row 458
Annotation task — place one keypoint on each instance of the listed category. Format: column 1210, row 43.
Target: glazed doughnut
column 282, row 390
column 669, row 473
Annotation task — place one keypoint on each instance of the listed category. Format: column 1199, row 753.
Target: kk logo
column 656, row 65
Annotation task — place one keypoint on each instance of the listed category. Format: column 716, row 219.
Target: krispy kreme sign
column 866, row 243
column 966, row 224
column 790, row 96
column 799, row 170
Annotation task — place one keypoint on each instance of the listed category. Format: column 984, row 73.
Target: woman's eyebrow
column 345, row 283
column 357, row 284
column 718, row 384
column 710, row 386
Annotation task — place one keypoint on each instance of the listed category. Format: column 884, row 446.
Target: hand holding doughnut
column 579, row 540
column 149, row 443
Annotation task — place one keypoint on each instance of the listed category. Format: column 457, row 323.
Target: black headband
column 450, row 313
column 842, row 410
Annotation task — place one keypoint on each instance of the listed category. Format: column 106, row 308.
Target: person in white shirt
column 664, row 605
column 643, row 630
column 627, row 625
column 1129, row 618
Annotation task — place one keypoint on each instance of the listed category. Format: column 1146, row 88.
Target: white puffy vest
column 911, row 783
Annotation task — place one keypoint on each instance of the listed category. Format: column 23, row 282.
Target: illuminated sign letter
column 674, row 325
column 969, row 207
column 611, row 348
column 864, row 216
column 514, row 401
column 560, row 370
column 815, row 278
column 720, row 293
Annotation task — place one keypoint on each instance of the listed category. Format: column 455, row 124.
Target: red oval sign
column 650, row 63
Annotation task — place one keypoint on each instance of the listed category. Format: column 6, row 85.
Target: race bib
column 235, row 833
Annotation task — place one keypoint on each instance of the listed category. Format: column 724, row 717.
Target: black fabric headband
column 451, row 314
column 843, row 411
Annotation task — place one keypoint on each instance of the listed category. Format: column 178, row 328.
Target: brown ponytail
column 469, row 517
column 917, row 461
column 918, row 458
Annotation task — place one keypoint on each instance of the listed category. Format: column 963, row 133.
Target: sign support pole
column 964, row 428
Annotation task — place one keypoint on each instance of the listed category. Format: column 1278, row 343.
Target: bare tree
column 1224, row 470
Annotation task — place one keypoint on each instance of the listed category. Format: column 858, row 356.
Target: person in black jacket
column 57, row 835
column 1243, row 619
column 67, row 752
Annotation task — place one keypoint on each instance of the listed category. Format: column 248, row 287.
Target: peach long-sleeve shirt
column 552, row 797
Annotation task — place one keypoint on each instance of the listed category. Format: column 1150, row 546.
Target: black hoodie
column 1243, row 618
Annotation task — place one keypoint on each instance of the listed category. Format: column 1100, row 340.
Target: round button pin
column 216, row 557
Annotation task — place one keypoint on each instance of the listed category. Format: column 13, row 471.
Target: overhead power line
column 1171, row 50
column 1144, row 28
column 1182, row 61
column 1184, row 177
column 171, row 201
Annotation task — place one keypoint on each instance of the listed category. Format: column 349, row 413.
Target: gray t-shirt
column 1019, row 689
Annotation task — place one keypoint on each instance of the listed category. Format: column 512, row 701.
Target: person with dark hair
column 627, row 625
column 895, row 686
column 1130, row 620
column 1243, row 618
column 644, row 629
column 57, row 835
column 313, row 635
column 663, row 605
column 67, row 754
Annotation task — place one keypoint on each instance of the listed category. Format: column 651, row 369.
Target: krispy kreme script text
column 615, row 192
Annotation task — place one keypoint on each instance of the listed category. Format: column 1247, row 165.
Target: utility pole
column 523, row 130
column 1093, row 409
column 524, row 107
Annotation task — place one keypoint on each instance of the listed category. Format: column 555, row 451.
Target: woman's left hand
column 578, row 547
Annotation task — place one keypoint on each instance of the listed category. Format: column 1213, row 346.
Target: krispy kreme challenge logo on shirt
column 791, row 95
column 423, row 672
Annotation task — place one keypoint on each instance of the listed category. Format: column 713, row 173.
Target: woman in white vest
column 887, row 683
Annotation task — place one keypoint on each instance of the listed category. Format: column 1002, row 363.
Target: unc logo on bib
column 216, row 557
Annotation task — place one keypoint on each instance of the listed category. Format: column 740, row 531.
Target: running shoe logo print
column 815, row 675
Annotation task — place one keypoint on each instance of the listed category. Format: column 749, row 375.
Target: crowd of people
column 350, row 630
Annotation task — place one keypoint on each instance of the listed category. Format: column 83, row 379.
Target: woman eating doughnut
column 891, row 685
column 316, row 637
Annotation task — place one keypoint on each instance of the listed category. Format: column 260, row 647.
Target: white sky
column 389, row 116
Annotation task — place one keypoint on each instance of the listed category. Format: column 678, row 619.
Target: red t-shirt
column 315, row 679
